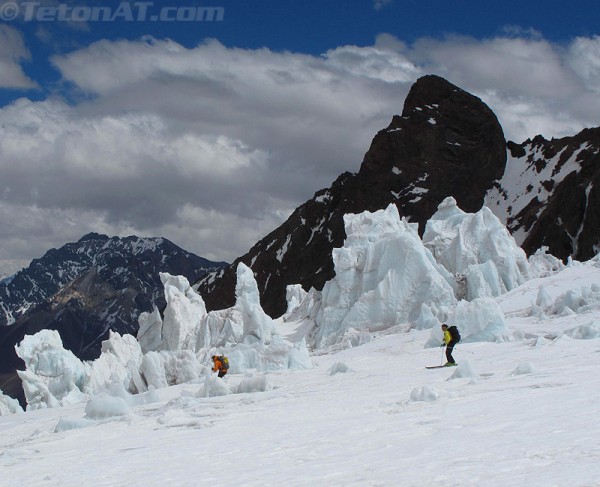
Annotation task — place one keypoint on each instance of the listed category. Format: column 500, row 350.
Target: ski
column 439, row 366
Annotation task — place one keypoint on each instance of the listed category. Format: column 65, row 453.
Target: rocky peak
column 446, row 143
column 93, row 236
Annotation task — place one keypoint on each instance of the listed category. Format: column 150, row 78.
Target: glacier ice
column 383, row 275
column 172, row 349
column 478, row 246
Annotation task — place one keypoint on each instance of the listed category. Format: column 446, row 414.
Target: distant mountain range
column 86, row 288
column 446, row 142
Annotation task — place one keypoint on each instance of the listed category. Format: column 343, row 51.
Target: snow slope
column 519, row 412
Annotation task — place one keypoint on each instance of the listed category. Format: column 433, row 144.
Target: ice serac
column 446, row 142
column 54, row 376
column 247, row 334
column 383, row 277
column 256, row 322
column 171, row 350
column 480, row 320
column 386, row 275
column 8, row 405
column 478, row 247
column 178, row 328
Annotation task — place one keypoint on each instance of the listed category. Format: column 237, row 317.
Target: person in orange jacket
column 218, row 365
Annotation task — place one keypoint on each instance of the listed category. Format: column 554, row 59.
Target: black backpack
column 454, row 333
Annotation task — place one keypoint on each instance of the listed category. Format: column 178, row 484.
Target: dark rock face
column 446, row 143
column 559, row 206
column 86, row 288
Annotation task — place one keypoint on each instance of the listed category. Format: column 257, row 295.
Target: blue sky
column 211, row 133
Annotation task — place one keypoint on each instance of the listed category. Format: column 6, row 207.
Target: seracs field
column 335, row 391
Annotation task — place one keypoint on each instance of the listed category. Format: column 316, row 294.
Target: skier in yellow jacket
column 451, row 338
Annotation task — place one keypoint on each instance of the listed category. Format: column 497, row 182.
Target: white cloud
column 213, row 147
column 584, row 58
column 530, row 83
column 380, row 4
column 12, row 52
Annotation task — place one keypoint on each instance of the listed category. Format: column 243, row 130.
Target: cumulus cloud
column 12, row 53
column 533, row 85
column 213, row 147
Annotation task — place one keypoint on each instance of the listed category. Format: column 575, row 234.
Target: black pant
column 449, row 349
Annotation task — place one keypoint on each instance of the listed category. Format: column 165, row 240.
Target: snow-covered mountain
column 118, row 261
column 86, row 288
column 549, row 194
column 360, row 409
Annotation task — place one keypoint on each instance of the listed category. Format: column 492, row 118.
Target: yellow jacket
column 447, row 337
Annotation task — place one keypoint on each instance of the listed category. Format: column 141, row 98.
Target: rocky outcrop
column 447, row 142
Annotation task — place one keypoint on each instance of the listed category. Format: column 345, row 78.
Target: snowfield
column 361, row 410
column 515, row 413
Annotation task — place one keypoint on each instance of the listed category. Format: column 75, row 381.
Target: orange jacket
column 218, row 365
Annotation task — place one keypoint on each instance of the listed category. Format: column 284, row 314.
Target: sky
column 209, row 123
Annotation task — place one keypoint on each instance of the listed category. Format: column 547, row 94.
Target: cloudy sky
column 209, row 127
